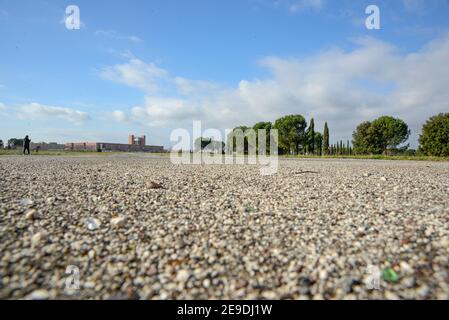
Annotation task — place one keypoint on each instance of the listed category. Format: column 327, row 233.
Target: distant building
column 42, row 146
column 135, row 144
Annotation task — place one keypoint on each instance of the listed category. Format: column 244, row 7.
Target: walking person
column 26, row 145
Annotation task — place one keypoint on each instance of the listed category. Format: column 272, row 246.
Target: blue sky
column 153, row 66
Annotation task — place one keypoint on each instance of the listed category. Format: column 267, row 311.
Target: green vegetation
column 310, row 144
column 209, row 145
column 371, row 157
column 238, row 133
column 379, row 136
column 14, row 142
column 263, row 126
column 12, row 152
column 326, row 140
column 292, row 137
column 379, row 139
column 434, row 139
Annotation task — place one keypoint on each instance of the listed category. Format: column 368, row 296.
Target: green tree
column 291, row 131
column 232, row 138
column 326, row 140
column 14, row 143
column 263, row 126
column 379, row 136
column 389, row 132
column 434, row 138
column 362, row 140
column 311, row 137
column 319, row 143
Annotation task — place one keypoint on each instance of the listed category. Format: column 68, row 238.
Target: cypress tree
column 311, row 137
column 326, row 140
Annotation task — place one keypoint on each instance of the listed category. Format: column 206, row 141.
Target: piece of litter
column 92, row 223
column 389, row 275
column 26, row 202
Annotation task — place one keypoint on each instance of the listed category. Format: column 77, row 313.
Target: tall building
column 139, row 141
column 135, row 144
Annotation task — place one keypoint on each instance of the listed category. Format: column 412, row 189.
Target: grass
column 372, row 157
column 12, row 152
column 4, row 152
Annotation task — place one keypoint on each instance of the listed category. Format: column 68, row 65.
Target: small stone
column 405, row 268
column 132, row 294
column 40, row 294
column 391, row 296
column 91, row 254
column 155, row 185
column 36, row 239
column 118, row 222
column 89, row 285
column 152, row 271
column 423, row 291
column 206, row 283
column 443, row 243
column 183, row 276
column 383, row 179
column 323, row 275
column 270, row 295
column 31, row 214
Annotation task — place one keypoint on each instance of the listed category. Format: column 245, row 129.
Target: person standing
column 26, row 144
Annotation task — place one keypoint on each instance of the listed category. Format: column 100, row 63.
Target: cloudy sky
column 148, row 67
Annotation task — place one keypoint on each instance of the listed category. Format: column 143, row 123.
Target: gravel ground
column 139, row 227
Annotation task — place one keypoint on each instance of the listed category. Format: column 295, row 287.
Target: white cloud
column 188, row 86
column 164, row 111
column 423, row 5
column 36, row 111
column 137, row 74
column 341, row 87
column 295, row 6
column 117, row 36
column 302, row 5
column 120, row 116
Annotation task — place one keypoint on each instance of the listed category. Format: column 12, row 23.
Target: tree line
column 384, row 136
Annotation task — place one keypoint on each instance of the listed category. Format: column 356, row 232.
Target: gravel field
column 138, row 226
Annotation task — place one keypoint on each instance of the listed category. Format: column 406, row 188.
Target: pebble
column 40, row 294
column 36, row 239
column 118, row 222
column 183, row 276
column 31, row 214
